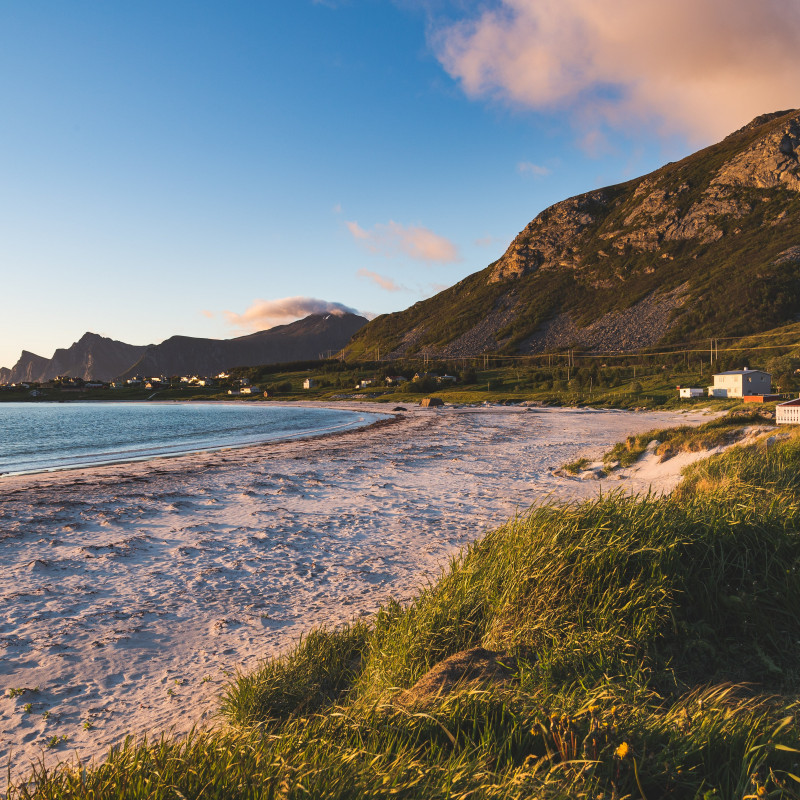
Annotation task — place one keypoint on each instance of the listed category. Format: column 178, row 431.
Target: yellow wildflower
column 622, row 751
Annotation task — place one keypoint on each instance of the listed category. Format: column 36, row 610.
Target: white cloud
column 385, row 283
column 528, row 168
column 414, row 241
column 696, row 67
column 264, row 314
column 206, row 313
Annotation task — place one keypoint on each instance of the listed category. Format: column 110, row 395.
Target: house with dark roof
column 740, row 383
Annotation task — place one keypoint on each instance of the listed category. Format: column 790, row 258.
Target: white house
column 690, row 391
column 250, row 390
column 234, row 392
column 788, row 413
column 740, row 383
column 309, row 383
column 363, row 384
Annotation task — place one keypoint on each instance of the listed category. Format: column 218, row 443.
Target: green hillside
column 707, row 246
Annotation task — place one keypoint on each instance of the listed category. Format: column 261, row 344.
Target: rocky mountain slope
column 709, row 245
column 94, row 357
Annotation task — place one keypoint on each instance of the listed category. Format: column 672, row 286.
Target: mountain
column 94, row 357
column 30, row 367
column 706, row 246
column 304, row 340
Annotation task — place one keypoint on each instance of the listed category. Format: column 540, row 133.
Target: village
column 633, row 386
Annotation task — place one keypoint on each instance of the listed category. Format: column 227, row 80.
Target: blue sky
column 210, row 168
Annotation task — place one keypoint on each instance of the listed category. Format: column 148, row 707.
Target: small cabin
column 689, row 391
column 788, row 413
column 740, row 382
column 309, row 383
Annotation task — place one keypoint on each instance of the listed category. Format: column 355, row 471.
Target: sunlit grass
column 657, row 654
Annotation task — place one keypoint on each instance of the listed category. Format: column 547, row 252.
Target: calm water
column 45, row 436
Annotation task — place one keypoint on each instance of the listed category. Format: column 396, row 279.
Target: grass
column 574, row 467
column 685, row 438
column 657, row 645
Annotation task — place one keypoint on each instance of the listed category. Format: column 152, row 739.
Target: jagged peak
column 762, row 119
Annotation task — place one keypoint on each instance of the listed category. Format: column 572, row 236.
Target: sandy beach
column 130, row 594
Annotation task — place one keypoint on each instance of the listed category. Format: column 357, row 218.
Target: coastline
column 161, row 451
column 134, row 591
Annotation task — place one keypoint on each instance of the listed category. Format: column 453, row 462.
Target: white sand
column 129, row 594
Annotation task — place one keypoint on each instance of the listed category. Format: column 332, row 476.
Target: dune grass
column 685, row 438
column 657, row 645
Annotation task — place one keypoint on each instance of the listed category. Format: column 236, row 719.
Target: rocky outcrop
column 546, row 242
column 473, row 668
column 771, row 162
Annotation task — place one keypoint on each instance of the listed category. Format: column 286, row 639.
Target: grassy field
column 652, row 649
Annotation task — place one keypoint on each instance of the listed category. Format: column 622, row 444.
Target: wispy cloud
column 206, row 313
column 264, row 314
column 413, row 241
column 536, row 170
column 696, row 67
column 385, row 283
column 487, row 241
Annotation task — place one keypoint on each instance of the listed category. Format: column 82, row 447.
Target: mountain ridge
column 655, row 259
column 95, row 357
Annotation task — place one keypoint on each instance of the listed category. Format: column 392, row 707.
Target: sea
column 42, row 437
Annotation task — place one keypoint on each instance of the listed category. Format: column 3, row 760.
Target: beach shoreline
column 107, row 459
column 133, row 592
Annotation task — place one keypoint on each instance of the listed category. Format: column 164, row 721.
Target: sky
column 215, row 167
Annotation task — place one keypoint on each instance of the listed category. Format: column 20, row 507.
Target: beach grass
column 685, row 438
column 653, row 646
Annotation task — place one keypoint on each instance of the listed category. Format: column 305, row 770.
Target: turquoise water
column 36, row 437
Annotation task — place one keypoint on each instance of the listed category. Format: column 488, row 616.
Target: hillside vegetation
column 706, row 246
column 645, row 647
